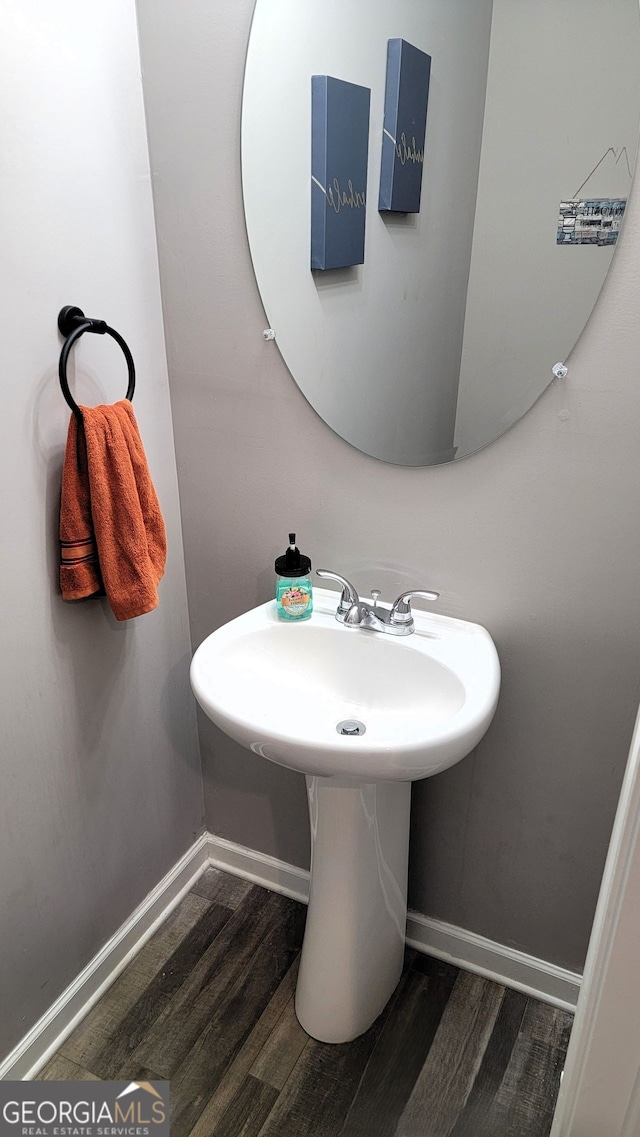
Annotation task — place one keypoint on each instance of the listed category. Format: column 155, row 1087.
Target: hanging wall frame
column 405, row 124
column 339, row 154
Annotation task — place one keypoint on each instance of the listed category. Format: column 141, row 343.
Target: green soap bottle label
column 295, row 600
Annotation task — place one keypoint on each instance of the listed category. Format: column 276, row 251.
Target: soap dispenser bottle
column 294, row 588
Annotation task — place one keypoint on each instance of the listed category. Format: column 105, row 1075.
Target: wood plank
column 221, row 887
column 526, row 1099
column 316, row 1098
column 187, row 1013
column 61, row 1069
column 135, row 1024
column 429, row 965
column 401, row 1050
column 234, row 1010
column 235, row 1076
column 475, row 1119
column 102, row 1021
column 446, row 1079
column 231, row 957
column 282, row 1050
column 248, row 1110
column 547, row 1024
column 533, row 1106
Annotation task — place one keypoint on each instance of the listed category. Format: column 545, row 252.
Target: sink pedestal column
column 353, row 947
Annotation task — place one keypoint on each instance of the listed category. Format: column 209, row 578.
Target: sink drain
column 351, row 726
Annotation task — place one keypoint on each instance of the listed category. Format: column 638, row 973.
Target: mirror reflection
column 449, row 330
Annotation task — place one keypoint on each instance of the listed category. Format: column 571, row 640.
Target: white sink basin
column 424, row 700
column 282, row 689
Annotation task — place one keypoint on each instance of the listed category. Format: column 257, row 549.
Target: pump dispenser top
column 293, row 563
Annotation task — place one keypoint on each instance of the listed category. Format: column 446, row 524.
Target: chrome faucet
column 356, row 613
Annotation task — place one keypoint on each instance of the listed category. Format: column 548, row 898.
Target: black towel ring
column 73, row 323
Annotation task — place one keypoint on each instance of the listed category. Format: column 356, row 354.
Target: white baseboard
column 504, row 964
column 260, row 868
column 48, row 1034
column 474, row 953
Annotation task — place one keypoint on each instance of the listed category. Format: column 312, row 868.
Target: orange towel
column 112, row 532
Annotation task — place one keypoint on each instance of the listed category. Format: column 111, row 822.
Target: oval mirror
column 449, row 330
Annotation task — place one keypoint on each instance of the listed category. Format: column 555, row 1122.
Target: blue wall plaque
column 405, row 123
column 590, row 221
column 339, row 152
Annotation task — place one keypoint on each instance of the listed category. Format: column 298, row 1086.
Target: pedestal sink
column 362, row 715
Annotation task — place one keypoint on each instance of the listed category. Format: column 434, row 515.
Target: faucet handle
column 401, row 608
column 349, row 596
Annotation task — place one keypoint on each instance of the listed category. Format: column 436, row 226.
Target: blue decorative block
column 339, row 153
column 405, row 124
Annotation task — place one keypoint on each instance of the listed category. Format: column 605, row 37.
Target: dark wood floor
column 208, row 1004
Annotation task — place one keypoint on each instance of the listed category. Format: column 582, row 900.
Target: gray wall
column 100, row 780
column 536, row 537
